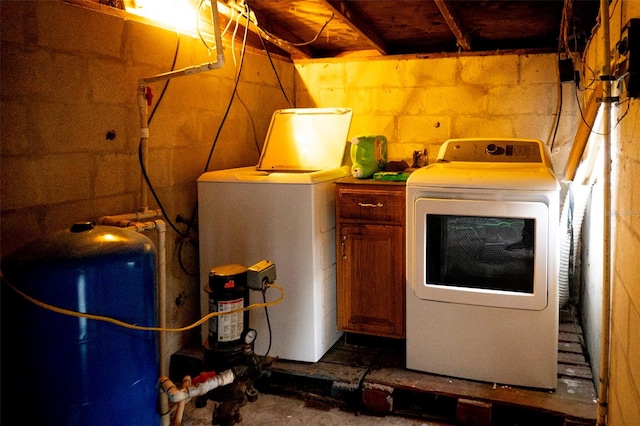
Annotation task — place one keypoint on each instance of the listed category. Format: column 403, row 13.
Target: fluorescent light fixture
column 192, row 17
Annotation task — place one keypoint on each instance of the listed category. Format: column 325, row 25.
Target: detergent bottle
column 368, row 155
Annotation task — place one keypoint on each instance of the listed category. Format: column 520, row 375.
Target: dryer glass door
column 482, row 252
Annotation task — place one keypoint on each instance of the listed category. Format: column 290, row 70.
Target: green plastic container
column 368, row 155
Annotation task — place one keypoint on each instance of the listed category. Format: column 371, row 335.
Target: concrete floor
column 273, row 410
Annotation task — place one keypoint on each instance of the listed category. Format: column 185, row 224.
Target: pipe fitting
column 189, row 391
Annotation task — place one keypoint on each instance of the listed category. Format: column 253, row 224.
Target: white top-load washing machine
column 282, row 210
column 482, row 263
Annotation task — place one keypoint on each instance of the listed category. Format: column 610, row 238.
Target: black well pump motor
column 228, row 291
column 230, row 342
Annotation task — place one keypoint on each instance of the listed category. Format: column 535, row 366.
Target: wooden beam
column 342, row 10
column 452, row 20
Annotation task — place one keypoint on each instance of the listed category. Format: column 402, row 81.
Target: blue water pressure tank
column 64, row 370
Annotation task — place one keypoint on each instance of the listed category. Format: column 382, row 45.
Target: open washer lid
column 306, row 139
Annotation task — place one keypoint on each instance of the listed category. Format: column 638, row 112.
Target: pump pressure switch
column 261, row 274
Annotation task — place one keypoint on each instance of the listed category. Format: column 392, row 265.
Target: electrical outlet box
column 628, row 57
column 565, row 67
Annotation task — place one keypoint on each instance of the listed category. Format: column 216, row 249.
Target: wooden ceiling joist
column 342, row 10
column 313, row 29
column 452, row 20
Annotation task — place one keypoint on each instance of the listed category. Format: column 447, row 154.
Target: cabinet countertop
column 369, row 181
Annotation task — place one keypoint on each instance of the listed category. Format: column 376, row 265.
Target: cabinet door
column 371, row 279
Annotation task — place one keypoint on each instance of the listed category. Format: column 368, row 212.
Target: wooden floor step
column 473, row 413
column 364, row 376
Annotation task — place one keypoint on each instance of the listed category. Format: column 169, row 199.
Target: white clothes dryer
column 482, row 263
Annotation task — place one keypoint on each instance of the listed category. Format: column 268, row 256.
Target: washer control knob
column 492, row 149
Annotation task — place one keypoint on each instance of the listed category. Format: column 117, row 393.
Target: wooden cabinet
column 370, row 251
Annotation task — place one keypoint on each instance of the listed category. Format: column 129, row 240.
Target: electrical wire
column 124, row 324
column 266, row 313
column 233, row 41
column 584, row 120
column 181, row 245
column 209, row 48
column 166, row 85
column 562, row 43
column 273, row 67
column 583, row 61
column 155, row 195
column 246, row 108
column 233, row 95
column 233, row 12
column 628, row 102
column 552, row 143
column 304, row 43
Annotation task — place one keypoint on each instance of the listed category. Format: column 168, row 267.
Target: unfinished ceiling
column 301, row 29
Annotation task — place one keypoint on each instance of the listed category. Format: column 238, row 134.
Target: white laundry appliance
column 282, row 210
column 482, row 263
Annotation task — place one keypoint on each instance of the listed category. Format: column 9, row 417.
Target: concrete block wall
column 419, row 103
column 625, row 342
column 69, row 77
column 625, row 351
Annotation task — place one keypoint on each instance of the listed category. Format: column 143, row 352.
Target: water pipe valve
column 148, row 96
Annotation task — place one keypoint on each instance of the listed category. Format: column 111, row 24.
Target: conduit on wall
column 603, row 388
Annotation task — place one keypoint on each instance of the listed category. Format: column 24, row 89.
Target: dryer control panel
column 491, row 151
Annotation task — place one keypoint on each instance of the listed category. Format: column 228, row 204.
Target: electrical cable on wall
column 235, row 64
column 290, row 43
column 275, row 71
column 233, row 94
column 558, row 114
column 266, row 313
